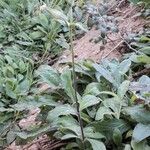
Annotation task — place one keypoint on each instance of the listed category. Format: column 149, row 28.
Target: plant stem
column 74, row 84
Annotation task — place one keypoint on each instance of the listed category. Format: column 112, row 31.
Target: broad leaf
column 145, row 50
column 88, row 100
column 90, row 133
column 117, row 137
column 139, row 114
column 123, row 89
column 97, row 144
column 124, row 66
column 48, row 75
column 68, row 85
column 69, row 136
column 61, row 110
column 105, row 73
column 58, row 15
column 107, row 127
column 68, row 123
column 114, row 104
column 141, row 132
column 33, row 103
column 43, row 20
column 140, row 59
column 101, row 112
column 93, row 88
column 140, row 146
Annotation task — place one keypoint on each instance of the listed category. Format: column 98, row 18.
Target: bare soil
column 84, row 48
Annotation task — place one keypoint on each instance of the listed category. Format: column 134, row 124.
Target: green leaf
column 9, row 59
column 117, row 137
column 10, row 92
column 69, row 136
column 114, row 104
column 141, row 132
column 48, row 75
column 72, row 145
column 33, row 103
column 89, row 132
column 140, row 59
column 108, row 93
column 87, row 101
column 58, row 15
column 124, row 66
column 123, row 89
column 106, row 127
column 61, row 110
column 97, row 144
column 62, row 42
column 23, row 87
column 36, row 35
column 24, row 43
column 143, row 59
column 144, row 39
column 2, row 109
column 105, row 73
column 140, row 146
column 134, row 1
column 67, row 84
column 22, row 66
column 93, row 88
column 143, row 85
column 69, row 123
column 139, row 114
column 145, row 50
column 101, row 112
column 43, row 20
column 74, row 128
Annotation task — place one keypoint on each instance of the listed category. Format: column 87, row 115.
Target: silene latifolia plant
column 73, row 129
column 69, row 22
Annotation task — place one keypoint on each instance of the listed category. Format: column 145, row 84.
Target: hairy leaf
column 123, row 89
column 139, row 114
column 101, row 112
column 48, row 75
column 88, row 100
column 61, row 110
column 97, row 144
column 141, row 132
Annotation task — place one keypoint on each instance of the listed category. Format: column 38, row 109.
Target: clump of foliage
column 15, row 82
column 140, row 44
column 112, row 113
column 25, row 27
column 146, row 2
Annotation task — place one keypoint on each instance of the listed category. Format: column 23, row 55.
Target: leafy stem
column 71, row 27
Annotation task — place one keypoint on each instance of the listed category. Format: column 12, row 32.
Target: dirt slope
column 84, row 49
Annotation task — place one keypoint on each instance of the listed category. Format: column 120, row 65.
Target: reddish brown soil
column 84, row 49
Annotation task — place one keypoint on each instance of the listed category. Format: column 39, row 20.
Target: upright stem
column 74, row 84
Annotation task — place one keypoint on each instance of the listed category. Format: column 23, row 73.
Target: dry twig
column 113, row 49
